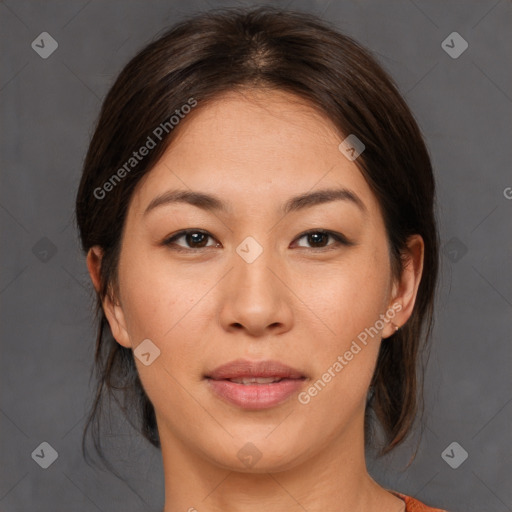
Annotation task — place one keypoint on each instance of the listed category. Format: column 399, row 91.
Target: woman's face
column 248, row 286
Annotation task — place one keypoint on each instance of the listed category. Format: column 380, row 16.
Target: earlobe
column 393, row 324
column 111, row 307
column 406, row 288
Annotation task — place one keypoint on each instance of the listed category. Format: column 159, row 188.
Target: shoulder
column 413, row 505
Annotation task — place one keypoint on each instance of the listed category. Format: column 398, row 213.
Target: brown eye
column 194, row 239
column 319, row 239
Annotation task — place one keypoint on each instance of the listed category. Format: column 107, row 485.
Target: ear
column 111, row 304
column 405, row 288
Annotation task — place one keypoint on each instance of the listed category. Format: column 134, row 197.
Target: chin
column 257, row 454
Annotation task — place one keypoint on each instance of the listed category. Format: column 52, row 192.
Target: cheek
column 344, row 366
column 351, row 299
column 351, row 296
column 174, row 308
column 157, row 297
column 164, row 305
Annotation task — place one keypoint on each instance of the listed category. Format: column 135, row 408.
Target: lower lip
column 256, row 396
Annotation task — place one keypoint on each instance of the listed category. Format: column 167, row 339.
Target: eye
column 198, row 239
column 194, row 238
column 318, row 239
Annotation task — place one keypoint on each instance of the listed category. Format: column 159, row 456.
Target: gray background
column 48, row 107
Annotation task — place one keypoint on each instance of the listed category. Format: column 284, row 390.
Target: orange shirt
column 413, row 505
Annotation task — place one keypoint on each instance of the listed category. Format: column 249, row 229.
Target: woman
column 257, row 210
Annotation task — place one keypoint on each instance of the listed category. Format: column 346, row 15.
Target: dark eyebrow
column 209, row 202
column 199, row 199
column 323, row 196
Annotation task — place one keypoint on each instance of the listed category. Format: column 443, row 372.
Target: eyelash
column 338, row 237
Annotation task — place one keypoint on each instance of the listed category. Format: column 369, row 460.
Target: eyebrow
column 212, row 203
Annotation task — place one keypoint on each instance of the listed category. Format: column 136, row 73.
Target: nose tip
column 254, row 299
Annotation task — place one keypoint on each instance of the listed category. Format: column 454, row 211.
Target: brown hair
column 220, row 51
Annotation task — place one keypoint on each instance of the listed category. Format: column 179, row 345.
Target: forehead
column 240, row 123
column 253, row 147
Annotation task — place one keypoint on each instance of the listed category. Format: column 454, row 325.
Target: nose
column 255, row 298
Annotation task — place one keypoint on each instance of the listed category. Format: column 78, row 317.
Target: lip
column 255, row 396
column 240, row 368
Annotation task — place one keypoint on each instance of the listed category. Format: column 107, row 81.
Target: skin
column 297, row 303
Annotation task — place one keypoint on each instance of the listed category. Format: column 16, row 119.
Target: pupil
column 316, row 238
column 195, row 238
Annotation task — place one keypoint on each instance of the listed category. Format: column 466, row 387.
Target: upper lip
column 241, row 368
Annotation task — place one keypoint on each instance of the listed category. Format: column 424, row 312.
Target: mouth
column 255, row 384
column 255, row 380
